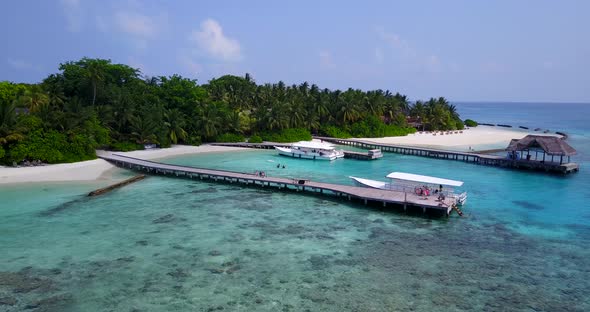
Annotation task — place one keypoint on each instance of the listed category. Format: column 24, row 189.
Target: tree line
column 93, row 103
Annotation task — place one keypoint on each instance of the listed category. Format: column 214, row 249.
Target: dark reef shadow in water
column 528, row 205
column 32, row 289
column 64, row 206
column 490, row 267
column 207, row 190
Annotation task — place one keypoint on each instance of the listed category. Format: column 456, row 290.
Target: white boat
column 311, row 150
column 418, row 184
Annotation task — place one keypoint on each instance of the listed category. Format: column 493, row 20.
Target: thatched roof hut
column 551, row 145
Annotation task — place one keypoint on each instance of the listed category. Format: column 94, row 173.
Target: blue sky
column 462, row 50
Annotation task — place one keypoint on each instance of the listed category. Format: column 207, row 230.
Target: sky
column 503, row 50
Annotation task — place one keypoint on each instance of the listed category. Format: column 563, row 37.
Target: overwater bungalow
column 542, row 146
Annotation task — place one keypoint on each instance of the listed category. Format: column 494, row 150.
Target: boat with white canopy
column 417, row 184
column 311, row 150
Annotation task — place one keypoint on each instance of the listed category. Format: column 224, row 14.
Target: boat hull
column 370, row 183
column 313, row 156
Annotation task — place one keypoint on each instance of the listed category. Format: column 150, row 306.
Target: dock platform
column 370, row 155
column 383, row 198
column 475, row 158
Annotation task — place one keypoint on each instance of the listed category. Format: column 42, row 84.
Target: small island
column 94, row 104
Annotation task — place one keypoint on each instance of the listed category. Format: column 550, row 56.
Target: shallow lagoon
column 175, row 245
column 167, row 244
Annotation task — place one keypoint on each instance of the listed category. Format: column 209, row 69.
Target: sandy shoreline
column 472, row 139
column 95, row 169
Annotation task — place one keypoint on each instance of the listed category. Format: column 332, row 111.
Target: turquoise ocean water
column 167, row 244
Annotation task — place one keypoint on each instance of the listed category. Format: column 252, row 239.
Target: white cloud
column 326, row 59
column 73, row 13
column 211, row 39
column 395, row 42
column 135, row 24
column 138, row 28
column 20, row 64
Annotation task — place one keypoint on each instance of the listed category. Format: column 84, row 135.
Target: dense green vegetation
column 93, row 103
column 470, row 123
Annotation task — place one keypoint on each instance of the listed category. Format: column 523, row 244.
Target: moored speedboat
column 417, row 184
column 311, row 150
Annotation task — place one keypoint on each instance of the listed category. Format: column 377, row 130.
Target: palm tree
column 373, row 102
column 295, row 115
column 175, row 123
column 55, row 93
column 233, row 121
column 453, row 111
column 7, row 122
column 437, row 114
column 209, row 120
column 390, row 109
column 95, row 72
column 74, row 114
column 7, row 115
column 33, row 98
column 419, row 110
column 143, row 129
column 348, row 110
column 403, row 103
column 315, row 108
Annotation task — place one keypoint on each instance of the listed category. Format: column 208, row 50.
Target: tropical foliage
column 93, row 103
column 470, row 123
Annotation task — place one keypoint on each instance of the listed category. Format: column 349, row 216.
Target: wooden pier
column 382, row 198
column 475, row 158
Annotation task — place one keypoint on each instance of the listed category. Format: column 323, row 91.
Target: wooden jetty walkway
column 476, row 158
column 370, row 155
column 384, row 198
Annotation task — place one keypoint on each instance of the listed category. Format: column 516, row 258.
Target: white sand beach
column 474, row 139
column 94, row 169
column 478, row 138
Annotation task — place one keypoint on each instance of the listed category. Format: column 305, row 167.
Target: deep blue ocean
column 167, row 244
